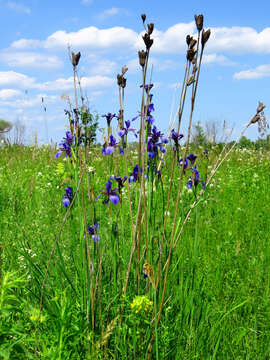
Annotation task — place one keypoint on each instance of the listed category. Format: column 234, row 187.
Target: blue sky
column 34, row 62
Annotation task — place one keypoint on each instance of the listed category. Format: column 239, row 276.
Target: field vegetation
column 154, row 251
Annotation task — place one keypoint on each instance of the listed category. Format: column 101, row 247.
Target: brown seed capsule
column 121, row 81
column 190, row 54
column 190, row 80
column 192, row 43
column 143, row 16
column 142, row 57
column 199, row 21
column 150, row 28
column 255, row 119
column 75, row 58
column 124, row 69
column 188, row 39
column 148, row 41
column 205, row 36
column 260, row 107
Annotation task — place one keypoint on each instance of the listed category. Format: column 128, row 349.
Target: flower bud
column 75, row 58
column 143, row 16
column 199, row 21
column 205, row 36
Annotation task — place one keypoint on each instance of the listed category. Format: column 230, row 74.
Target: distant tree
column 245, row 142
column 198, row 135
column 5, row 127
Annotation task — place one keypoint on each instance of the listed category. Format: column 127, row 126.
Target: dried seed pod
column 260, row 107
column 190, row 54
column 75, row 58
column 143, row 16
column 194, row 68
column 142, row 57
column 255, row 119
column 148, row 41
column 190, row 80
column 124, row 69
column 205, row 36
column 199, row 21
column 192, row 43
column 150, row 28
column 188, row 39
column 121, row 81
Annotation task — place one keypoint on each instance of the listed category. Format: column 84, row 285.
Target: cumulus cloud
column 14, row 79
column 67, row 84
column 30, row 59
column 217, row 59
column 258, row 73
column 7, row 94
column 235, row 40
column 18, row 7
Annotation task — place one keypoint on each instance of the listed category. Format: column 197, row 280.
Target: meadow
column 159, row 251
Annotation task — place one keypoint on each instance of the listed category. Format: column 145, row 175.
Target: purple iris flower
column 134, row 175
column 108, row 149
column 176, row 137
column 147, row 110
column 119, row 180
column 127, row 129
column 65, row 145
column 191, row 158
column 109, row 193
column 155, row 142
column 109, row 118
column 147, row 87
column 92, row 230
column 195, row 179
column 68, row 196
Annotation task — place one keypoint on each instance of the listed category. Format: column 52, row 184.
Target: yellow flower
column 141, row 303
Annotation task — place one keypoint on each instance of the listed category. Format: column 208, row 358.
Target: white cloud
column 14, row 79
column 30, row 59
column 18, row 7
column 28, row 102
column 239, row 40
column 26, row 44
column 6, row 94
column 258, row 73
column 100, row 66
column 67, row 84
column 93, row 38
column 217, row 59
column 111, row 12
column 234, row 40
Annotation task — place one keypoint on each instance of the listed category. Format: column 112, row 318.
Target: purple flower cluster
column 110, row 194
column 108, row 148
column 195, row 179
column 92, row 230
column 67, row 198
column 125, row 130
column 109, row 118
column 66, row 145
column 155, row 141
column 189, row 161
